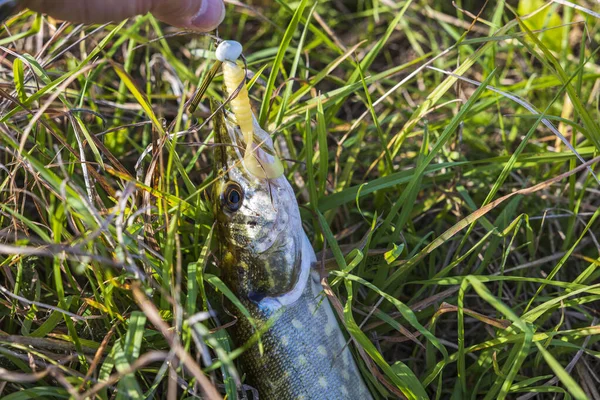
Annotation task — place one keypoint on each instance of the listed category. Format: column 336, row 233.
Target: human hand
column 199, row 15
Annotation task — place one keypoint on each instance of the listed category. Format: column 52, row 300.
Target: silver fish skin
column 267, row 260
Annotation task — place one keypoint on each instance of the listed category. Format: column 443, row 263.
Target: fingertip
column 209, row 17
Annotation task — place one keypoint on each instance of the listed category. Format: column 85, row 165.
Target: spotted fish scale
column 305, row 356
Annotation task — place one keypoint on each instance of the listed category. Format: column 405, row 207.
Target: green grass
column 451, row 177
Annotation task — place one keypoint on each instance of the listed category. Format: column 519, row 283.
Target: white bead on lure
column 258, row 162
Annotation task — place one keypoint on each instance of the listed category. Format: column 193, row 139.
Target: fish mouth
column 258, row 159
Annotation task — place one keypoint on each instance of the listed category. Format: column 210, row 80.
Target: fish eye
column 232, row 197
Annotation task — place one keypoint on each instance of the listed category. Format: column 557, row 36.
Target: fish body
column 266, row 259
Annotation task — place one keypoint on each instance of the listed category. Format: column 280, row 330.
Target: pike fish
column 267, row 260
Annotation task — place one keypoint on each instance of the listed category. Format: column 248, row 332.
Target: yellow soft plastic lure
column 234, row 77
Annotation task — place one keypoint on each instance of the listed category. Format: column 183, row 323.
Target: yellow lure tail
column 234, row 76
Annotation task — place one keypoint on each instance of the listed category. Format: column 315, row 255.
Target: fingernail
column 211, row 14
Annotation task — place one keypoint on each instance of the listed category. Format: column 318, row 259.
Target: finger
column 201, row 15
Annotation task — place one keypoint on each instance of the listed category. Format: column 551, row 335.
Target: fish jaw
column 261, row 242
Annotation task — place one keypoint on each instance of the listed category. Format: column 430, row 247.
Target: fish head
column 258, row 225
